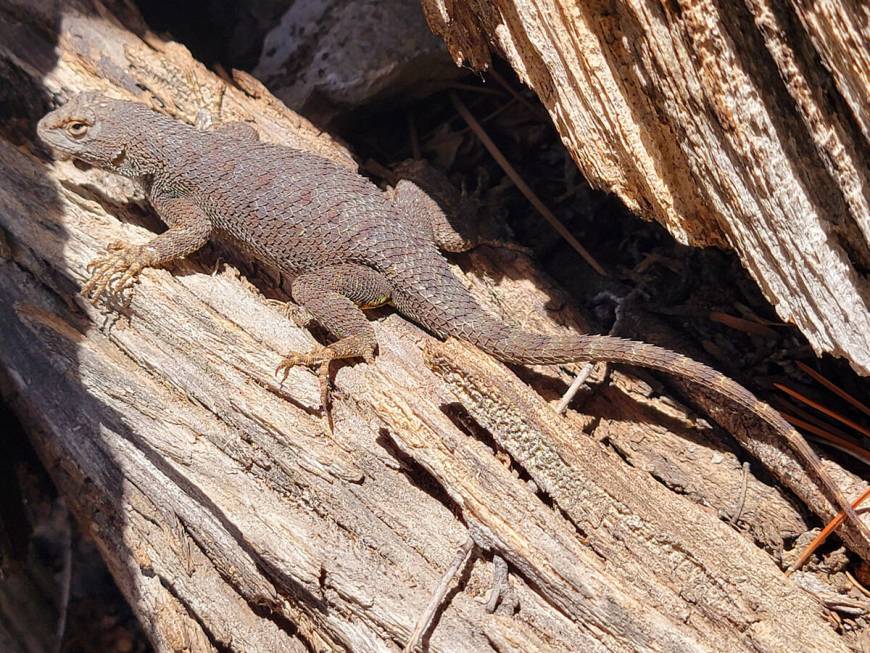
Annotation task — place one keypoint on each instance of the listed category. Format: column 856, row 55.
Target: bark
column 738, row 124
column 233, row 522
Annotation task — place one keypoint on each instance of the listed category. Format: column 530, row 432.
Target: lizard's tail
column 515, row 346
column 451, row 311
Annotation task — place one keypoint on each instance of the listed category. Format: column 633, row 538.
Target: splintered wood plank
column 742, row 125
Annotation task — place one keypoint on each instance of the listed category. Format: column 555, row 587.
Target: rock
column 329, row 55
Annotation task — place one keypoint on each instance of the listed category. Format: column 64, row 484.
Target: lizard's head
column 95, row 129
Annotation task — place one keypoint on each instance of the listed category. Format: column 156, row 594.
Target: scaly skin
column 345, row 242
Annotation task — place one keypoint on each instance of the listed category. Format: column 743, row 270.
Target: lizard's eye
column 77, row 129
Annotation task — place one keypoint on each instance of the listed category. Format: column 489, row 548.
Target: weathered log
column 737, row 124
column 232, row 521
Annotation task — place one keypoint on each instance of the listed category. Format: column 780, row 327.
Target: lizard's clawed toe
column 114, row 274
column 297, row 314
column 320, row 357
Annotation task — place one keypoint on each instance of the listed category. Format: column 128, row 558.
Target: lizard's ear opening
column 119, row 158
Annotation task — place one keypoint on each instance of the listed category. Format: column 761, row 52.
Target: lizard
column 346, row 244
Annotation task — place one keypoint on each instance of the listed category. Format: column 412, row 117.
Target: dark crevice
column 417, row 475
column 219, row 646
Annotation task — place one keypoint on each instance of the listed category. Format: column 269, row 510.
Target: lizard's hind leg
column 333, row 295
column 451, row 219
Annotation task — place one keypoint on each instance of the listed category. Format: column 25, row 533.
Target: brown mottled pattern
column 346, row 242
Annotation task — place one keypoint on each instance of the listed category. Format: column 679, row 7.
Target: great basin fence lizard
column 347, row 244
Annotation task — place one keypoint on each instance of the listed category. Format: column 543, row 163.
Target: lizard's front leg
column 333, row 296
column 115, row 273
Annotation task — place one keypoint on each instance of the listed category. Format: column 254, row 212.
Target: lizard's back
column 301, row 212
column 298, row 211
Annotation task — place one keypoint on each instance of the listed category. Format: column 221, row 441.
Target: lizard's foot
column 358, row 346
column 320, row 357
column 113, row 274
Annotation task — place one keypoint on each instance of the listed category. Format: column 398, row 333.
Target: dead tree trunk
column 738, row 124
column 232, row 522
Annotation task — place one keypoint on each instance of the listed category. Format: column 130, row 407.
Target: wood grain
column 737, row 124
column 229, row 518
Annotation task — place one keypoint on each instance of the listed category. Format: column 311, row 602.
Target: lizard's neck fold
column 152, row 145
